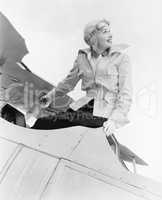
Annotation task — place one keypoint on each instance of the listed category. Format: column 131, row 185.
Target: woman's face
column 103, row 37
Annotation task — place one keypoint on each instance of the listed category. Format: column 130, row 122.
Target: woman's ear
column 93, row 42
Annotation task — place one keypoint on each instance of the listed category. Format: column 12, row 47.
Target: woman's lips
column 109, row 40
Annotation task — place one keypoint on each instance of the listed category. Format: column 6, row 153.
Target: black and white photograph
column 80, row 100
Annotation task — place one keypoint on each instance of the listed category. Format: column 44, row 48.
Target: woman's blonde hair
column 91, row 28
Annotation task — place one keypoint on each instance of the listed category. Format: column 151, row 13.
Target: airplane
column 76, row 163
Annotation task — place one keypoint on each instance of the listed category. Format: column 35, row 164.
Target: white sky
column 53, row 33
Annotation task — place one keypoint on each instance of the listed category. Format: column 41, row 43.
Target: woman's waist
column 98, row 93
column 101, row 93
column 108, row 85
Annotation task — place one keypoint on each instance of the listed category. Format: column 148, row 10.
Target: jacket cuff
column 119, row 119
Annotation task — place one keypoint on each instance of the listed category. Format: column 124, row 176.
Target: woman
column 105, row 72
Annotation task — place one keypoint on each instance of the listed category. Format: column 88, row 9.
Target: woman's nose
column 110, row 35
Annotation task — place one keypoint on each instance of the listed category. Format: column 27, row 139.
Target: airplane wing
column 12, row 45
column 18, row 87
column 22, row 89
column 66, row 164
column 124, row 153
column 127, row 155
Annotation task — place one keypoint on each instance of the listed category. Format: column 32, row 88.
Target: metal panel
column 95, row 152
column 60, row 142
column 28, row 176
column 75, row 182
column 12, row 45
column 6, row 150
column 22, row 89
column 81, row 145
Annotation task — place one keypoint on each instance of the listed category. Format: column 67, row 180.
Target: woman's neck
column 97, row 52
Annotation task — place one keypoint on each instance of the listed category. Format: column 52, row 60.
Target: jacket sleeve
column 124, row 97
column 70, row 80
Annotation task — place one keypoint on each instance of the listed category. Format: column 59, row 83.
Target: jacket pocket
column 112, row 77
column 112, row 70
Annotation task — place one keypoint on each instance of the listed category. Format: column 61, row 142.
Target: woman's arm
column 69, row 82
column 124, row 97
column 63, row 87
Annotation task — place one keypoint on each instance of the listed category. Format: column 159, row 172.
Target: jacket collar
column 117, row 48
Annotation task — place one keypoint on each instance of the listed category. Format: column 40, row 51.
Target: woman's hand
column 109, row 127
column 47, row 99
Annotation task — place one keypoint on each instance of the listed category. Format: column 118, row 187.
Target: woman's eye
column 105, row 31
